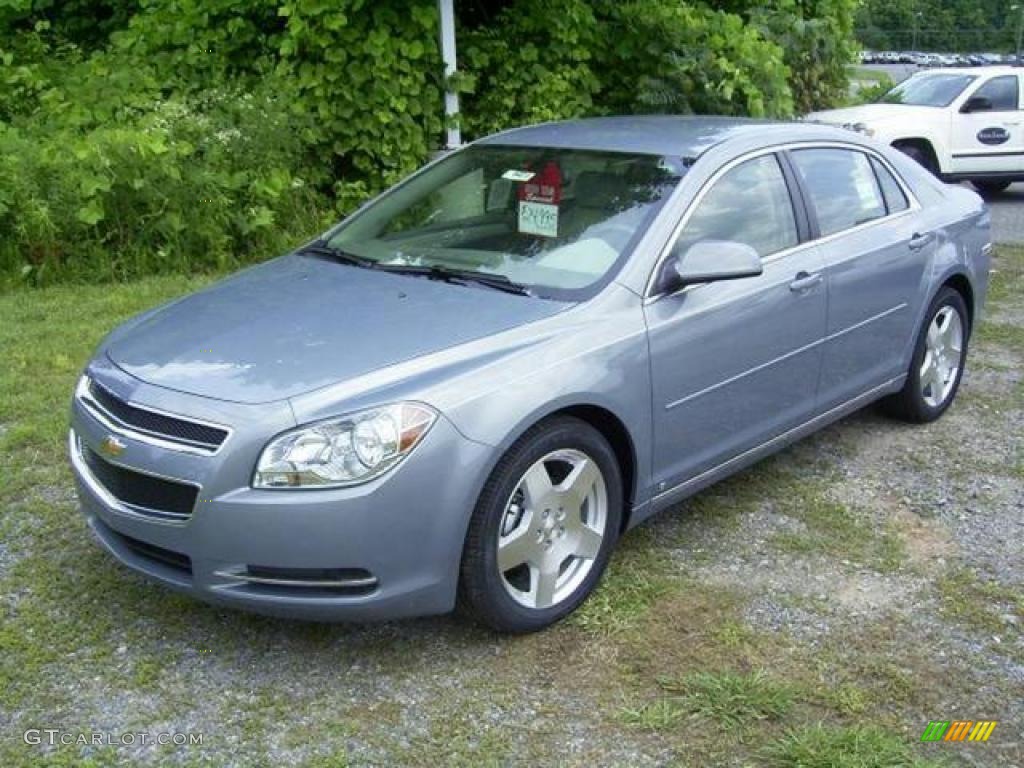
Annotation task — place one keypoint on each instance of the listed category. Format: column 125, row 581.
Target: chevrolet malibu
column 469, row 389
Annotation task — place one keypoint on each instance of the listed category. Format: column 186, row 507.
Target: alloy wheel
column 942, row 359
column 552, row 530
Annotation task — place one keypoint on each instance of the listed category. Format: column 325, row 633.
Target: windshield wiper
column 450, row 275
column 321, row 248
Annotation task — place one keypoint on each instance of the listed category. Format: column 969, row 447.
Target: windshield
column 557, row 221
column 934, row 90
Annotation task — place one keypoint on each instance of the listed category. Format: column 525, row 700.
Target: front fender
column 601, row 360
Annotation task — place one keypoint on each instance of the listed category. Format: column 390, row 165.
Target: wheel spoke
column 544, row 581
column 934, row 334
column 536, row 484
column 935, row 382
column 518, row 547
column 951, row 329
column 927, row 370
column 589, row 543
column 576, row 487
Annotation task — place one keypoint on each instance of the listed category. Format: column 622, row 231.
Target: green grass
column 979, row 604
column 821, row 746
column 637, row 577
column 868, row 74
column 729, row 699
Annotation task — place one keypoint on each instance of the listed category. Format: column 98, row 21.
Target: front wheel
column 989, row 188
column 920, row 155
column 543, row 528
column 938, row 362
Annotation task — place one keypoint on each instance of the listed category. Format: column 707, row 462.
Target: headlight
column 345, row 451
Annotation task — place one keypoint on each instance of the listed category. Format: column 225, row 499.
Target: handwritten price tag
column 538, row 219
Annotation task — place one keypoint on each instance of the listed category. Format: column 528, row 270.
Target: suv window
column 1001, row 91
column 895, row 199
column 842, row 187
column 749, row 204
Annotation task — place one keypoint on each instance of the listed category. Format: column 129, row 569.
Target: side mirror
column 710, row 261
column 977, row 104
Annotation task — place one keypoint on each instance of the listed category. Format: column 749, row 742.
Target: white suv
column 961, row 124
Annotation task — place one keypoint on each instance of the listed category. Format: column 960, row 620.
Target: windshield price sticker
column 538, row 219
column 515, row 175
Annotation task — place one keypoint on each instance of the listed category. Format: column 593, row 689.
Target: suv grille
column 146, row 494
column 157, row 424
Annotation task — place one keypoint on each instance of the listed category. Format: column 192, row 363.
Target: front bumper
column 386, row 549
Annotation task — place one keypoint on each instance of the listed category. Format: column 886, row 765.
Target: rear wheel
column 938, row 362
column 921, row 155
column 987, row 188
column 543, row 529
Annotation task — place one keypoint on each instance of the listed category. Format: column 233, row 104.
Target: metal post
column 451, row 98
column 1020, row 30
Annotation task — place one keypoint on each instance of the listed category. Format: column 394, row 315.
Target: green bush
column 189, row 184
column 164, row 135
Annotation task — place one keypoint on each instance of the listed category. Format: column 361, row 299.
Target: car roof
column 1003, row 68
column 685, row 136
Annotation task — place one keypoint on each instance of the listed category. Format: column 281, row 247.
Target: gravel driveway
column 1008, row 215
column 823, row 606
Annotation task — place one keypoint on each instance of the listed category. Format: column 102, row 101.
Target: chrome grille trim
column 84, row 395
column 76, row 450
column 351, row 583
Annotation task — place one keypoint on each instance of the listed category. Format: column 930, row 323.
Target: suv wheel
column 921, row 156
column 989, row 188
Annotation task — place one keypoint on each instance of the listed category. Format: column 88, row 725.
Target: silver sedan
column 470, row 388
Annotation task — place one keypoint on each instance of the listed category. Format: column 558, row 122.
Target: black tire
column 909, row 404
column 482, row 592
column 990, row 188
column 921, row 156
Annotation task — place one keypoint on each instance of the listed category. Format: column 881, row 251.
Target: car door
column 874, row 255
column 736, row 362
column 988, row 135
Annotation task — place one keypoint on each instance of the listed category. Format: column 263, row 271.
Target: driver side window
column 749, row 204
column 1002, row 93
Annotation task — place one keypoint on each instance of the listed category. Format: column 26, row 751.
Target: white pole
column 451, row 98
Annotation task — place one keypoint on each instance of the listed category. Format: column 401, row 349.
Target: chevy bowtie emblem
column 112, row 446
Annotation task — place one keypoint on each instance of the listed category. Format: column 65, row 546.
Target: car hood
column 874, row 114
column 299, row 323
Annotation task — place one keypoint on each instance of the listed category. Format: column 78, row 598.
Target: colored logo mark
column 959, row 730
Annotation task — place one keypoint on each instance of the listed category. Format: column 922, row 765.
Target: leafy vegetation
column 141, row 136
column 937, row 25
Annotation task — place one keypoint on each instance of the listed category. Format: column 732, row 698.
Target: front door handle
column 804, row 281
column 919, row 241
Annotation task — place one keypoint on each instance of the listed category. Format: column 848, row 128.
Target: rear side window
column 842, row 186
column 749, row 204
column 895, row 199
column 1001, row 91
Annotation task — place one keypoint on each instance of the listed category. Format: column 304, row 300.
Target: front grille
column 158, row 424
column 144, row 493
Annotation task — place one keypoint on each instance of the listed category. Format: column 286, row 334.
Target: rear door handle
column 804, row 282
column 919, row 241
